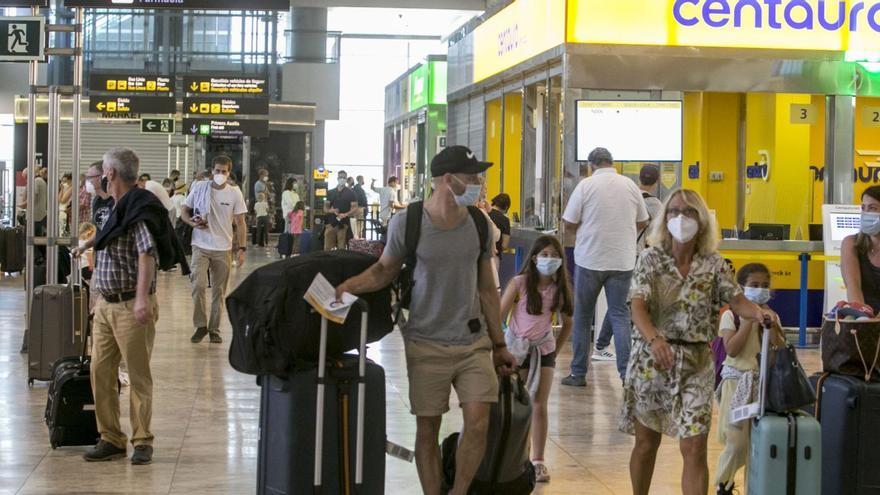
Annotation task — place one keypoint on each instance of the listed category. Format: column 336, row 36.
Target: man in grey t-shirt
column 453, row 334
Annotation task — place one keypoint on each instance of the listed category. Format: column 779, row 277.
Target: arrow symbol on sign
column 193, row 108
column 151, row 125
column 194, row 129
column 194, row 86
column 100, row 106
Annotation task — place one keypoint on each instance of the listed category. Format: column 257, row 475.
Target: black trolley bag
column 848, row 408
column 506, row 468
column 312, row 434
column 56, row 330
column 70, row 406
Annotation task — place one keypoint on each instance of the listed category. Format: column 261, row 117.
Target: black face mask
column 104, row 184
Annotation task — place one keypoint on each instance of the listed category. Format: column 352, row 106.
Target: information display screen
column 633, row 131
column 843, row 225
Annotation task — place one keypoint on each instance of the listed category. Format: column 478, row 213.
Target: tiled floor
column 205, row 420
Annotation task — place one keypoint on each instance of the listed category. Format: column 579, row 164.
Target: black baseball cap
column 457, row 160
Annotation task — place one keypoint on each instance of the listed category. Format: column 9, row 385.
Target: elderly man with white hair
column 136, row 239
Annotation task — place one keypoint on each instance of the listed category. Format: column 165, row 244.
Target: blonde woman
column 677, row 290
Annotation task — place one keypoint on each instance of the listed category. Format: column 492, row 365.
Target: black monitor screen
column 769, row 231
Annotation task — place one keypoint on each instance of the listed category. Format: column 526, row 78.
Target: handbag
column 788, row 388
column 851, row 348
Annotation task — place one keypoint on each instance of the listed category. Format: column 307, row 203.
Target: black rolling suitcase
column 506, row 468
column 312, row 435
column 70, row 407
column 285, row 245
column 57, row 327
column 12, row 249
column 849, row 411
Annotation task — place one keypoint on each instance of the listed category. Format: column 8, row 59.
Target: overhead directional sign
column 183, row 4
column 226, row 127
column 22, row 39
column 225, row 85
column 131, row 104
column 123, row 83
column 226, row 106
column 24, row 3
column 157, row 126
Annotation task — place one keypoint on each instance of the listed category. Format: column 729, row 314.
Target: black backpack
column 406, row 279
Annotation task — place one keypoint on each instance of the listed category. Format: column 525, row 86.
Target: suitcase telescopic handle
column 764, row 371
column 319, row 407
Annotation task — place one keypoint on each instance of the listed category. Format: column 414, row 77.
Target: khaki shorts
column 434, row 369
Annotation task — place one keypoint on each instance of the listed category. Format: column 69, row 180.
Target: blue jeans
column 603, row 340
column 587, row 285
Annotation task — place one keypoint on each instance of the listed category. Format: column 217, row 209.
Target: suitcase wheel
column 30, row 382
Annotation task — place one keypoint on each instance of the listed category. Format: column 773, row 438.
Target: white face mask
column 548, row 266
column 682, row 228
column 757, row 295
column 90, row 188
column 220, row 179
column 471, row 193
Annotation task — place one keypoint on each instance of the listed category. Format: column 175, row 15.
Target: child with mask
column 742, row 340
column 539, row 291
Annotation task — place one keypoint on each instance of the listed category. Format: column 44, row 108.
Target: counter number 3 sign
column 803, row 114
column 22, row 39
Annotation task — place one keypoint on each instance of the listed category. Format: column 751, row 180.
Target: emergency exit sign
column 22, row 39
column 157, row 126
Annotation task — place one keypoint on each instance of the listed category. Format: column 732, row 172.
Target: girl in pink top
column 539, row 290
column 295, row 220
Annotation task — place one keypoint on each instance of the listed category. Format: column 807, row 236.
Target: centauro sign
column 823, row 25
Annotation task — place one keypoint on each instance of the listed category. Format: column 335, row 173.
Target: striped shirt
column 116, row 266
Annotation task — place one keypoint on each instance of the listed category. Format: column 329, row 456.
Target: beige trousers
column 218, row 262
column 116, row 336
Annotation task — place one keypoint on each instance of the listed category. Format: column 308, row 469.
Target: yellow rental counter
column 768, row 109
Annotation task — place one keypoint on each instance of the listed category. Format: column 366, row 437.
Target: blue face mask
column 870, row 223
column 471, row 193
column 757, row 295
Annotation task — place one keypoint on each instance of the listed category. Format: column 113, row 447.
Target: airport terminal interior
column 754, row 127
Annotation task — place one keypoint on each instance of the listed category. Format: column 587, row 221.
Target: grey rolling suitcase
column 785, row 455
column 297, row 453
column 57, row 327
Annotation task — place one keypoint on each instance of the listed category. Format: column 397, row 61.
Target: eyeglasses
column 688, row 212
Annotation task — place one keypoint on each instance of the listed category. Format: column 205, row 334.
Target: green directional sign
column 22, row 39
column 157, row 126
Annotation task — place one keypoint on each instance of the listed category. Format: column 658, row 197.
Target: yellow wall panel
column 512, row 150
column 494, row 128
column 722, row 131
column 785, row 197
column 694, row 144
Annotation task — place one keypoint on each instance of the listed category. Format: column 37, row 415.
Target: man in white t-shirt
column 605, row 212
column 211, row 209
column 388, row 200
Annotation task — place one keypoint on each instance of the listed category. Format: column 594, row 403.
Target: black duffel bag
column 274, row 329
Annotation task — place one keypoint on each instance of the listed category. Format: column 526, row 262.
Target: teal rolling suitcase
column 785, row 456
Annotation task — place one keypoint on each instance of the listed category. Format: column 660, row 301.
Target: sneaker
column 216, row 338
column 722, row 490
column 199, row 335
column 143, row 454
column 542, row 474
column 575, row 381
column 603, row 355
column 104, row 451
column 124, row 379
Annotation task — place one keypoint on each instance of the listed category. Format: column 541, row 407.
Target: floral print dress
column 678, row 401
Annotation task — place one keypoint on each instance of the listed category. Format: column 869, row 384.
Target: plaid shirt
column 116, row 266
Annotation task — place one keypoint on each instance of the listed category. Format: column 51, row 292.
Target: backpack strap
column 413, row 231
column 482, row 225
